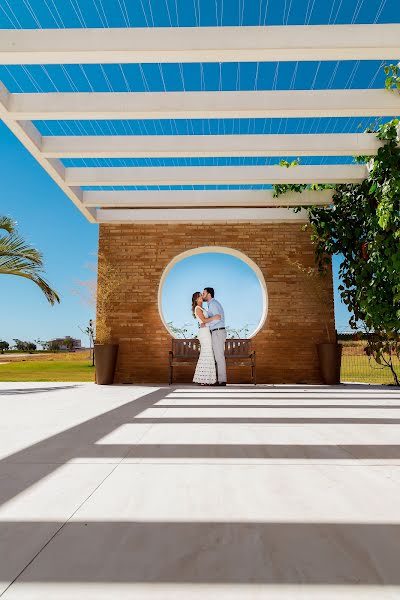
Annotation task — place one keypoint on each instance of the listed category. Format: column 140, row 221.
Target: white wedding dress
column 205, row 369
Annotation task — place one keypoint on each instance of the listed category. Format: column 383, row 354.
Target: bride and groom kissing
column 211, row 366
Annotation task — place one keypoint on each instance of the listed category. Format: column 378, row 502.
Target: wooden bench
column 237, row 352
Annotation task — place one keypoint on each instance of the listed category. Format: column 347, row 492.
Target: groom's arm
column 214, row 309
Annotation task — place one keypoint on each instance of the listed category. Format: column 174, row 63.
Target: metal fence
column 358, row 367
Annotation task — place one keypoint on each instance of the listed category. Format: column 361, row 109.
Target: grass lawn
column 359, row 369
column 62, row 367
column 78, row 367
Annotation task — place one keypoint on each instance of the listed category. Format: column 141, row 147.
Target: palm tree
column 19, row 258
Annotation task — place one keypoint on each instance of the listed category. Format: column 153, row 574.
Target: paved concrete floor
column 190, row 493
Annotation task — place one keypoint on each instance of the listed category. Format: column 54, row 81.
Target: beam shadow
column 72, row 443
column 38, row 390
column 272, row 451
column 278, row 406
column 362, row 388
column 215, row 552
column 246, row 396
column 266, row 420
column 228, row 451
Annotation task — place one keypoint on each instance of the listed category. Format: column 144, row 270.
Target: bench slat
column 190, row 348
column 186, row 352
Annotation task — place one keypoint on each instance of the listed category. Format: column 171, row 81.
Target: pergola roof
column 100, row 147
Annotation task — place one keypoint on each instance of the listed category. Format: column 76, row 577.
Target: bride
column 205, row 373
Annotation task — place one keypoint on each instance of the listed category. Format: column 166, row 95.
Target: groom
column 218, row 333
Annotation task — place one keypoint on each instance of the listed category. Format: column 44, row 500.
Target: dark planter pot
column 330, row 358
column 105, row 361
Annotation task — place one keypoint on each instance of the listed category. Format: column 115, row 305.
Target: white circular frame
column 221, row 250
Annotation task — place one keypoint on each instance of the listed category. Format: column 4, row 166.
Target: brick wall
column 298, row 317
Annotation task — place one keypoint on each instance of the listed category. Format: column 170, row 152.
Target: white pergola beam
column 203, row 198
column 243, row 175
column 202, row 105
column 205, row 44
column 200, row 215
column 185, row 146
column 30, row 137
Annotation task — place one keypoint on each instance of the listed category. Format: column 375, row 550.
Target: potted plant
column 329, row 352
column 105, row 348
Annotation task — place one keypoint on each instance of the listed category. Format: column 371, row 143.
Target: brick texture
column 299, row 315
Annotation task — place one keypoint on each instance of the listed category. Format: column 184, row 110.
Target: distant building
column 66, row 343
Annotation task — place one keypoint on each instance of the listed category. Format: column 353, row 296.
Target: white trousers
column 218, row 344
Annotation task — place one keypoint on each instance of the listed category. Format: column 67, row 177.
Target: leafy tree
column 17, row 257
column 23, row 346
column 42, row 343
column 392, row 81
column 19, row 345
column 363, row 225
column 4, row 346
column 68, row 343
column 53, row 346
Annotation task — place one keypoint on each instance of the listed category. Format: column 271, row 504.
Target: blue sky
column 49, row 220
column 235, row 284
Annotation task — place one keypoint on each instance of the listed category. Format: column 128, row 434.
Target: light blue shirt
column 215, row 308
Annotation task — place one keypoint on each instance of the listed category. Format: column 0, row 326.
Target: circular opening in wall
column 238, row 283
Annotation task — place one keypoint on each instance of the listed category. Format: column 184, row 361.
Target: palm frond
column 11, row 263
column 21, row 259
column 7, row 224
column 13, row 245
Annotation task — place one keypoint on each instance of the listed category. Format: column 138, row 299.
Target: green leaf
column 388, row 82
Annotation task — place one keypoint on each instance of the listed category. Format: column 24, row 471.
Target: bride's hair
column 194, row 302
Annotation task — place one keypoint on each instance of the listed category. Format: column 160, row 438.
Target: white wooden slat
column 205, row 44
column 203, row 198
column 243, row 175
column 176, row 146
column 203, row 105
column 200, row 215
